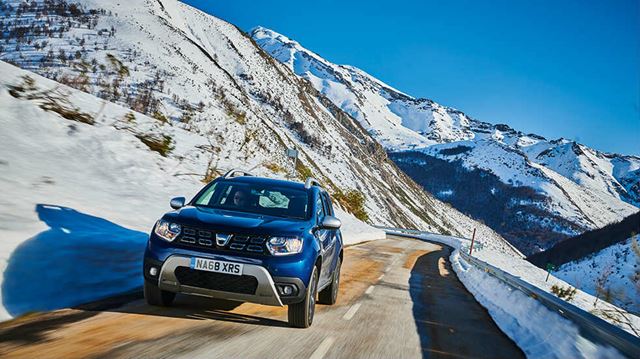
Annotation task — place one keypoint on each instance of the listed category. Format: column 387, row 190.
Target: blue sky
column 557, row 68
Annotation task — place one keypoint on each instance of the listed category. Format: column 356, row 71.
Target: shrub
column 49, row 100
column 305, row 136
column 162, row 144
column 635, row 277
column 69, row 113
column 187, row 116
column 160, row 117
column 130, row 117
column 211, row 174
column 564, row 293
column 353, row 201
column 303, row 171
column 118, row 66
column 232, row 111
column 274, row 167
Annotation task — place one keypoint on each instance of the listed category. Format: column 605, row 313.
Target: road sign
column 550, row 268
column 292, row 153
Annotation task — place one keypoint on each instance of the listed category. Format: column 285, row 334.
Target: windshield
column 255, row 198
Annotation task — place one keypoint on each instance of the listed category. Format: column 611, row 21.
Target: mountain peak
column 570, row 183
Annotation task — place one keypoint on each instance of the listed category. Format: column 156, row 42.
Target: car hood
column 235, row 222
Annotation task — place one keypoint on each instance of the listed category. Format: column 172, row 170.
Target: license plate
column 211, row 265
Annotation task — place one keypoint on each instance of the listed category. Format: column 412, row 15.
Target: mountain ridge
column 198, row 73
column 583, row 187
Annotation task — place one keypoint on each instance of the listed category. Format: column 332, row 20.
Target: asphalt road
column 399, row 298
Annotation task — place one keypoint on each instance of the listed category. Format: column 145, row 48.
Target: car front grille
column 243, row 284
column 201, row 238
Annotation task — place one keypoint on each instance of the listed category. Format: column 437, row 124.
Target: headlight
column 281, row 246
column 167, row 230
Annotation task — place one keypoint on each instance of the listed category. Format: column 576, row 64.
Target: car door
column 329, row 245
column 323, row 237
column 334, row 240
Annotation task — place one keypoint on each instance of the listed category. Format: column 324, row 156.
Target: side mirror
column 177, row 202
column 330, row 222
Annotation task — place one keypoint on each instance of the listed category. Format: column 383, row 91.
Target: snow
column 609, row 272
column 83, row 198
column 245, row 103
column 59, row 172
column 586, row 187
column 538, row 331
column 493, row 296
column 355, row 231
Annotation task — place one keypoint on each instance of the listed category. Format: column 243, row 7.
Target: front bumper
column 265, row 293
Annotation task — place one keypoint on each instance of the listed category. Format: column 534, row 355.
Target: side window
column 328, row 208
column 319, row 209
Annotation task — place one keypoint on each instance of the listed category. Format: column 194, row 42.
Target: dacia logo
column 222, row 239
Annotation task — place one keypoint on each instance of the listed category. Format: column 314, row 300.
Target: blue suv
column 248, row 239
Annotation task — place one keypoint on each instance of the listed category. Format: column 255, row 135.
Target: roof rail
column 311, row 182
column 237, row 173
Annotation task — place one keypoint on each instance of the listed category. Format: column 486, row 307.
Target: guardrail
column 590, row 326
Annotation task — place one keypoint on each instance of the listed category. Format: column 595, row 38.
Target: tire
column 301, row 314
column 329, row 295
column 156, row 296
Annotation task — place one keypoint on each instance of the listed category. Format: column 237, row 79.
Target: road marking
column 352, row 311
column 322, row 349
column 381, row 276
column 441, row 268
column 386, row 270
column 370, row 289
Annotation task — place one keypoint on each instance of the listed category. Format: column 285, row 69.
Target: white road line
column 323, row 348
column 381, row 276
column 370, row 289
column 352, row 311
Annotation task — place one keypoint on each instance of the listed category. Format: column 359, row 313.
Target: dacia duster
column 248, row 239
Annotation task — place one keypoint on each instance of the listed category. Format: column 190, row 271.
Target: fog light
column 153, row 271
column 287, row 289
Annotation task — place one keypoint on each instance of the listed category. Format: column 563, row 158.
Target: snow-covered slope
column 182, row 66
column 91, row 174
column 612, row 274
column 81, row 197
column 575, row 188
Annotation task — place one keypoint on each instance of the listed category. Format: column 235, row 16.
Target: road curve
column 399, row 298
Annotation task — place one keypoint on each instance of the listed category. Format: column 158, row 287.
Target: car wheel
column 156, row 296
column 329, row 295
column 301, row 314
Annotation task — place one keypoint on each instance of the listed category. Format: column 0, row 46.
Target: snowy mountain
column 83, row 187
column 604, row 262
column 200, row 97
column 612, row 274
column 532, row 190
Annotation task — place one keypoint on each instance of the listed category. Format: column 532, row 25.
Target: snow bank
column 539, row 332
column 355, row 231
column 79, row 200
column 535, row 329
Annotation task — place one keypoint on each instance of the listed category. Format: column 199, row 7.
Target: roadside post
column 473, row 238
column 293, row 153
column 550, row 267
